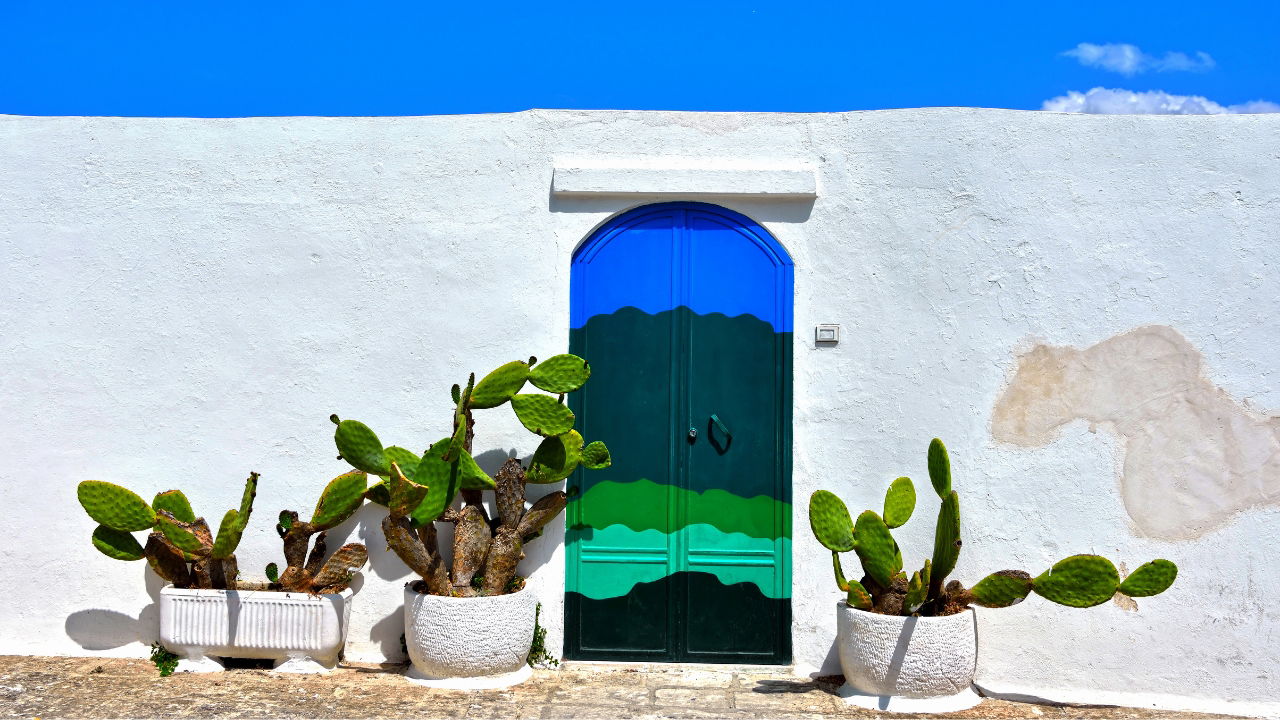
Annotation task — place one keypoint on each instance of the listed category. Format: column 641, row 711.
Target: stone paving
column 43, row 687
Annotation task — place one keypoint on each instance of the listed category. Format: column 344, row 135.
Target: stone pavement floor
column 45, row 687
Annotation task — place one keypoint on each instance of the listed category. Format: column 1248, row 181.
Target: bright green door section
column 681, row 549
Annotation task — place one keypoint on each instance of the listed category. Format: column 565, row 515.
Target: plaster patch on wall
column 1193, row 456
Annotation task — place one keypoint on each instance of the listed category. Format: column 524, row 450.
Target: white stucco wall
column 188, row 300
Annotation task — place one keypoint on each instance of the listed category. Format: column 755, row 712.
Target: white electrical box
column 826, row 334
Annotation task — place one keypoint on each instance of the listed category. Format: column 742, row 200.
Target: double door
column 680, row 551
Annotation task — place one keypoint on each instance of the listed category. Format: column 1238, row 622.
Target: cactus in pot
column 180, row 547
column 886, row 588
column 419, row 490
column 308, row 571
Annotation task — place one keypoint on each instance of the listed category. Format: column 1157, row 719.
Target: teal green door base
column 681, row 550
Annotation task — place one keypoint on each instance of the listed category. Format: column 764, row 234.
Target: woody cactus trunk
column 1076, row 581
column 308, row 571
column 419, row 490
column 180, row 547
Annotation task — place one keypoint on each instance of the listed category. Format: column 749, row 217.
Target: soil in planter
column 955, row 599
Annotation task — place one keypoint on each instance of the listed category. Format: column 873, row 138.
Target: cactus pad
column 458, row 442
column 379, row 493
column 899, row 502
column 340, row 499
column 946, row 536
column 358, row 445
column 229, row 532
column 830, row 521
column 114, row 506
column 117, row 544
column 542, row 414
column 340, row 566
column 560, row 374
column 876, row 548
column 471, row 476
column 1079, row 581
column 182, row 535
column 403, row 495
column 596, row 456
column 246, row 499
column 1002, row 589
column 407, row 461
column 1149, row 579
column 916, row 589
column 939, row 468
column 555, row 459
column 176, row 503
column 498, row 386
column 443, row 480
column 273, row 573
column 857, row 596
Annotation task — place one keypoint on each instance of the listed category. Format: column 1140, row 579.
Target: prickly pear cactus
column 1077, row 581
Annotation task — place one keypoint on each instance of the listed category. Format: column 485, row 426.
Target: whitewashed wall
column 188, row 300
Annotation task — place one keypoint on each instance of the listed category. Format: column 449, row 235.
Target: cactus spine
column 180, row 547
column 1076, row 581
column 420, row 491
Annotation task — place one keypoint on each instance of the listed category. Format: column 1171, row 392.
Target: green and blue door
column 681, row 550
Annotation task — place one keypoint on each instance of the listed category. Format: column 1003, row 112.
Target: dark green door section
column 681, row 550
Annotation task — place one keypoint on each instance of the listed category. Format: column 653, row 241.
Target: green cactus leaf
column 1079, row 581
column 560, row 374
column 228, row 538
column 273, row 573
column 175, row 503
column 829, row 519
column 939, row 468
column 1002, row 589
column 358, row 445
column 555, row 459
column 407, row 461
column 542, row 414
column 404, row 495
column 596, row 456
column 498, row 386
column 841, row 582
column 443, row 480
column 899, row 502
column 379, row 493
column 340, row 499
column 181, row 534
column 876, row 548
column 472, row 477
column 285, row 521
column 946, row 538
column 1150, row 579
column 916, row 589
column 114, row 506
column 246, row 499
column 926, row 573
column 458, row 442
column 117, row 544
column 857, row 596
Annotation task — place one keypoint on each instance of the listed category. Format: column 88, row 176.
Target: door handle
column 728, row 435
column 721, row 447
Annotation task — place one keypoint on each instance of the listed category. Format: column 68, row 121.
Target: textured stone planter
column 477, row 643
column 907, row 664
column 302, row 633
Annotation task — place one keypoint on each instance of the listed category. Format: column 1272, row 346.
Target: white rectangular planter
column 301, row 632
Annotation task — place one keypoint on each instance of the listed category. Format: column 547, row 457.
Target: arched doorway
column 681, row 551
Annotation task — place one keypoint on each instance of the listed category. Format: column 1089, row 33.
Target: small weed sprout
column 165, row 661
column 538, row 655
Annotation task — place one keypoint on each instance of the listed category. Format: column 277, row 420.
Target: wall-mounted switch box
column 826, row 334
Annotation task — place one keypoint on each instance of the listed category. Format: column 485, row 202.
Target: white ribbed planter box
column 474, row 643
column 907, row 664
column 302, row 633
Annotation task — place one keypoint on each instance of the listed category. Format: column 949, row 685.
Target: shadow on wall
column 98, row 629
column 1194, row 457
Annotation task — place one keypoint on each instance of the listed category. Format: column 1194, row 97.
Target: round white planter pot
column 907, row 664
column 302, row 633
column 469, row 643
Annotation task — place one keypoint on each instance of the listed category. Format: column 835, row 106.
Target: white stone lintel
column 781, row 183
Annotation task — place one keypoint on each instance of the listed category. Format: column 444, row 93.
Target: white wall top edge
column 796, row 183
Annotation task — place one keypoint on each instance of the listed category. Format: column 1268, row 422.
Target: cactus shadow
column 97, row 629
column 367, row 525
column 388, row 633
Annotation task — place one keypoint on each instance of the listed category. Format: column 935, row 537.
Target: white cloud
column 1104, row 101
column 1129, row 59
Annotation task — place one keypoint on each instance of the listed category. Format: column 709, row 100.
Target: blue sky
column 279, row 57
